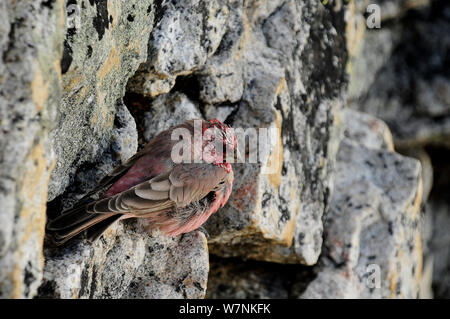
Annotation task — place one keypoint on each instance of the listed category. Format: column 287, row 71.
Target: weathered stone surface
column 128, row 263
column 70, row 98
column 275, row 216
column 105, row 43
column 405, row 81
column 30, row 50
column 373, row 224
column 398, row 73
column 185, row 35
column 374, row 218
column 278, row 216
column 166, row 111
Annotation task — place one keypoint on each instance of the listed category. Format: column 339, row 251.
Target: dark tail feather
column 75, row 221
column 94, row 232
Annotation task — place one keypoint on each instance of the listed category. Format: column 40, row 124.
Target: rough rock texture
column 186, row 34
column 278, row 216
column 374, row 219
column 84, row 83
column 400, row 75
column 250, row 77
column 127, row 264
column 104, row 45
column 31, row 35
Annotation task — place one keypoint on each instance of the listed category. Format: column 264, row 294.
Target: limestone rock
column 373, row 224
column 373, row 230
column 125, row 262
column 185, row 35
column 104, row 45
column 83, row 84
column 30, row 50
column 278, row 216
column 410, row 87
column 168, row 110
column 128, row 263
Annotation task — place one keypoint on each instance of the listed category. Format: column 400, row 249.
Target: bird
column 176, row 197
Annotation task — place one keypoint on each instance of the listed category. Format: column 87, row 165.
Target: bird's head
column 223, row 140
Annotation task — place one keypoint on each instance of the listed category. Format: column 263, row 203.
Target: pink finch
column 175, row 197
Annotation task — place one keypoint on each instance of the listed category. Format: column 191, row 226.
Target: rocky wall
column 85, row 83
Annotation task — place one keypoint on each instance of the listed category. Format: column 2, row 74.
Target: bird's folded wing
column 192, row 182
column 116, row 173
column 184, row 184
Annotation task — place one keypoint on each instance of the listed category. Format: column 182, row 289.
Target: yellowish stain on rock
column 39, row 88
column 112, row 62
column 355, row 30
column 33, row 197
column 280, row 86
column 275, row 162
column 71, row 80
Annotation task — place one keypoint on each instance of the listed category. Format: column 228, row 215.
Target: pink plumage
column 175, row 197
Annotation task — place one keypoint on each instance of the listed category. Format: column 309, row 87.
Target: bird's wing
column 155, row 199
column 179, row 187
column 117, row 173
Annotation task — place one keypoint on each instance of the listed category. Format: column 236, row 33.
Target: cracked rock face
column 373, row 243
column 409, row 88
column 85, row 83
column 127, row 263
column 251, row 78
column 185, row 35
column 373, row 224
column 30, row 50
column 105, row 43
column 278, row 216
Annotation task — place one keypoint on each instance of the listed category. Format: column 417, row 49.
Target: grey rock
column 105, row 43
column 83, row 84
column 30, row 50
column 278, row 216
column 168, row 110
column 125, row 262
column 410, row 89
column 185, row 35
column 374, row 219
column 427, row 168
column 128, row 263
column 373, row 244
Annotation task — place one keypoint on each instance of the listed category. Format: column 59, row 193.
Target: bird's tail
column 77, row 220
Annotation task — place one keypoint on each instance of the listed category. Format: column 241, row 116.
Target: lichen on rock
column 84, row 84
